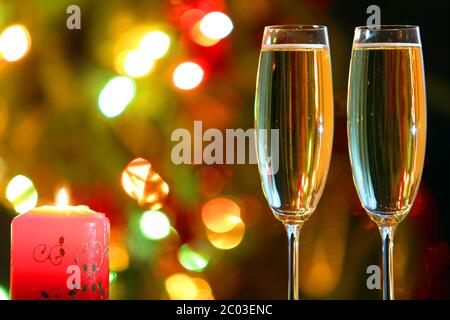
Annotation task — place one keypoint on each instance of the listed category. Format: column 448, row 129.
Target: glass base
column 292, row 217
column 387, row 219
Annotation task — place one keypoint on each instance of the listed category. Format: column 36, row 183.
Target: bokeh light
column 322, row 277
column 15, row 42
column 216, row 25
column 204, row 291
column 155, row 44
column 22, row 193
column 192, row 260
column 187, row 75
column 227, row 240
column 190, row 17
column 181, row 286
column 143, row 184
column 119, row 259
column 3, row 294
column 155, row 225
column 198, row 36
column 112, row 276
column 116, row 95
column 137, row 63
column 221, row 215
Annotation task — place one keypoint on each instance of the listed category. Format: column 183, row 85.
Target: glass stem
column 387, row 237
column 293, row 232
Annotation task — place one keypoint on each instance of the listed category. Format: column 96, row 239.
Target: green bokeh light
column 112, row 276
column 116, row 95
column 191, row 259
column 4, row 295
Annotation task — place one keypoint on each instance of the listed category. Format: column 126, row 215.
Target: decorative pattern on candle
column 60, row 252
column 55, row 254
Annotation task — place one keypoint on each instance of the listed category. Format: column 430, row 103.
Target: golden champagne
column 294, row 95
column 387, row 126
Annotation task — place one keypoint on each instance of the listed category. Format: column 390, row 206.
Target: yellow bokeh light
column 204, row 291
column 321, row 278
column 221, row 215
column 138, row 49
column 216, row 25
column 200, row 38
column 137, row 63
column 187, row 75
column 227, row 240
column 119, row 259
column 15, row 42
column 180, row 286
column 155, row 44
column 143, row 184
column 22, row 194
column 116, row 95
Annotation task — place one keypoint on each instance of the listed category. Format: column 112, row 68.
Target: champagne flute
column 294, row 127
column 386, row 127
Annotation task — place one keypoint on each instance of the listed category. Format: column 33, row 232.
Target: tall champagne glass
column 386, row 111
column 294, row 126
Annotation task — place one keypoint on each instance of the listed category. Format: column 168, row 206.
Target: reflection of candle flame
column 62, row 197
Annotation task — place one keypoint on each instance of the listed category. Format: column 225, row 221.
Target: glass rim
column 296, row 27
column 388, row 27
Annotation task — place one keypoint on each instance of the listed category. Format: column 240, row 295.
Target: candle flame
column 62, row 197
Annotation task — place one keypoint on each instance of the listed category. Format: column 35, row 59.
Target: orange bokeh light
column 221, row 215
column 227, row 240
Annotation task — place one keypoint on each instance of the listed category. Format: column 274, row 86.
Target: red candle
column 60, row 252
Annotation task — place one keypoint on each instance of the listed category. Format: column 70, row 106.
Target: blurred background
column 77, row 106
